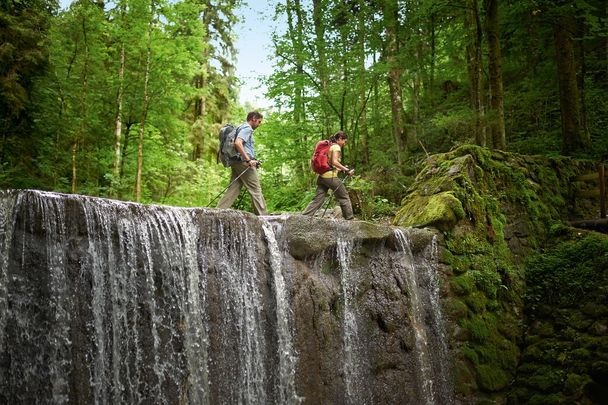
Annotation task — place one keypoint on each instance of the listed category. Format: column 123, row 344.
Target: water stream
column 287, row 356
column 427, row 321
column 109, row 302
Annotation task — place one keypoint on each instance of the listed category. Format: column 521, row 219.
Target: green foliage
column 24, row 55
column 331, row 69
column 72, row 140
column 565, row 303
column 567, row 272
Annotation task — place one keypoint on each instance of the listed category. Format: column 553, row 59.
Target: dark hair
column 337, row 136
column 254, row 115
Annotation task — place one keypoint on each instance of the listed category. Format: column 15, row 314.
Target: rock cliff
column 497, row 211
column 110, row 302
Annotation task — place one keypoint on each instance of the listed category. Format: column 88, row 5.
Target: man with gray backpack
column 237, row 151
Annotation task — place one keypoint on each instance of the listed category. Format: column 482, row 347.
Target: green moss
column 476, row 301
column 581, row 354
column 464, row 379
column 492, row 378
column 479, row 328
column 544, row 329
column 462, row 285
column 470, row 354
column 468, row 244
column 532, row 353
column 565, row 273
column 456, row 309
column 459, row 264
column 551, row 399
column 329, row 267
column 575, row 384
column 509, row 326
column 441, row 210
column 487, row 203
column 546, row 379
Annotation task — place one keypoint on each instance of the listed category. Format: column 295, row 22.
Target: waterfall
column 106, row 302
column 287, row 356
column 123, row 303
column 354, row 364
column 427, row 321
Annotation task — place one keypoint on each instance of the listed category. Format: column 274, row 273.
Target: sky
column 253, row 46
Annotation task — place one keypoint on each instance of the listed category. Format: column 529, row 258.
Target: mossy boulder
column 494, row 209
column 441, row 211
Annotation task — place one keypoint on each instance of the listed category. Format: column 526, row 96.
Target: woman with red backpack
column 326, row 162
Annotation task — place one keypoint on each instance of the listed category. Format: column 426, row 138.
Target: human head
column 254, row 119
column 338, row 136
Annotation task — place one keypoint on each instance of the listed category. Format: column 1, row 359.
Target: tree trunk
column 144, row 112
column 581, row 56
column 201, row 84
column 499, row 140
column 573, row 138
column 118, row 121
column 83, row 109
column 391, row 25
column 416, row 86
column 433, row 57
column 125, row 147
column 361, row 150
column 321, row 46
column 296, row 29
column 474, row 66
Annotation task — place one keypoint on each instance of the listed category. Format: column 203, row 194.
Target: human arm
column 334, row 161
column 240, row 148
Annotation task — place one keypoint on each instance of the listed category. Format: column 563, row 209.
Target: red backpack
column 319, row 162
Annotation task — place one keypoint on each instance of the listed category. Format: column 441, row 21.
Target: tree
column 146, row 102
column 475, row 68
column 564, row 28
column 119, row 96
column 23, row 58
column 215, row 80
column 497, row 123
column 391, row 52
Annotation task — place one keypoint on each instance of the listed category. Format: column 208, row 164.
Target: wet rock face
column 111, row 302
column 381, row 351
column 384, row 362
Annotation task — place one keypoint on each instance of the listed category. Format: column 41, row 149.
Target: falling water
column 287, row 357
column 353, row 364
column 427, row 321
column 111, row 302
column 118, row 305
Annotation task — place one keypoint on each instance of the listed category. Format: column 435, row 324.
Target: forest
column 125, row 99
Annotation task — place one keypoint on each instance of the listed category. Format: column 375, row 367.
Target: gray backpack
column 227, row 153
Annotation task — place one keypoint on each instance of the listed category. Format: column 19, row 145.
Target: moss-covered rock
column 565, row 304
column 441, row 211
column 495, row 209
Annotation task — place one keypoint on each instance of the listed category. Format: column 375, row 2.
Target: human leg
column 252, row 183
column 341, row 194
column 235, row 186
column 319, row 199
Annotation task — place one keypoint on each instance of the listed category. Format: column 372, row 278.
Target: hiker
column 246, row 167
column 329, row 179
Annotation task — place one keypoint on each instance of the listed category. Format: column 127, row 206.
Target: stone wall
column 494, row 210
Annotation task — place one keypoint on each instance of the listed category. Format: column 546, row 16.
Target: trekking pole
column 332, row 195
column 232, row 182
